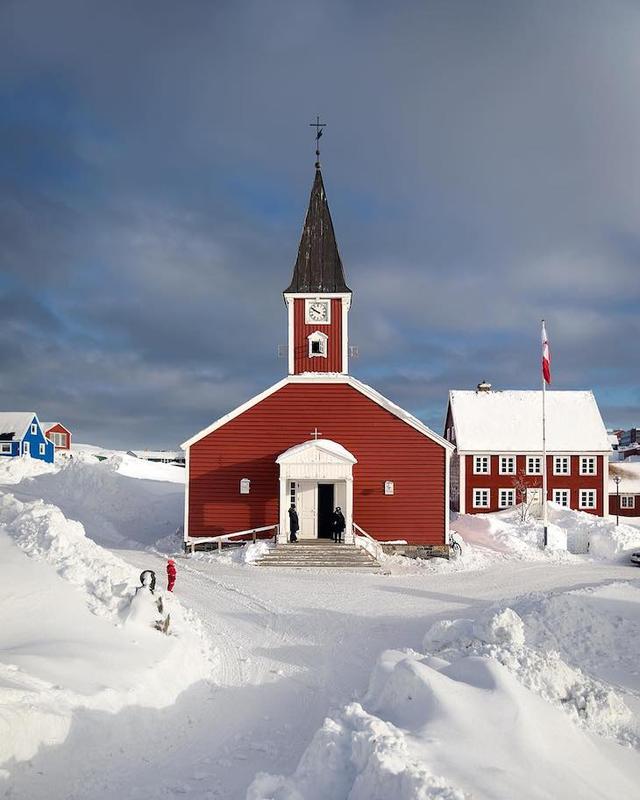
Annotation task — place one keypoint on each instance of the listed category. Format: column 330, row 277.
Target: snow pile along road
column 486, row 711
column 66, row 640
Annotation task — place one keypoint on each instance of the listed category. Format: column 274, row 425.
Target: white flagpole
column 544, row 458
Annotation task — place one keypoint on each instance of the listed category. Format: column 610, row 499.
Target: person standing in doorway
column 294, row 524
column 339, row 524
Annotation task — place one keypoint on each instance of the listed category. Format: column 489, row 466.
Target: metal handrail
column 191, row 541
column 368, row 538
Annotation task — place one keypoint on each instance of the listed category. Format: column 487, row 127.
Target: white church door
column 306, row 502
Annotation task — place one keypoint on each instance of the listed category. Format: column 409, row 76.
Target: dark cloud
column 482, row 168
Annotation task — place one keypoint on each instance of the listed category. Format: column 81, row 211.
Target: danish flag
column 546, row 356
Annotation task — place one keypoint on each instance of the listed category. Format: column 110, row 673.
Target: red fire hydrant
column 171, row 574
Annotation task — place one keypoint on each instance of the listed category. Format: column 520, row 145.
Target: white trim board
column 367, row 391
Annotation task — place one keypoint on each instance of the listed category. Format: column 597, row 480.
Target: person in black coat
column 294, row 524
column 339, row 524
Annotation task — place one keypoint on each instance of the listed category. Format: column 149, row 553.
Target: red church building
column 319, row 438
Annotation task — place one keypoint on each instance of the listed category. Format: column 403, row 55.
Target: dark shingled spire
column 318, row 266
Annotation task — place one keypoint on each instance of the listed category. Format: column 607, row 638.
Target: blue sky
column 482, row 167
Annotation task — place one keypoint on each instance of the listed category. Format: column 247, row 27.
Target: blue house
column 21, row 434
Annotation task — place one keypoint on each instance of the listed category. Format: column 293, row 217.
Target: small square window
column 627, row 501
column 481, row 465
column 588, row 498
column 534, row 465
column 588, row 465
column 561, row 497
column 507, row 465
column 561, row 465
column 481, row 498
column 506, row 498
column 5, row 448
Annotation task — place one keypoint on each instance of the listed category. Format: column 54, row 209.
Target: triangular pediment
column 321, row 451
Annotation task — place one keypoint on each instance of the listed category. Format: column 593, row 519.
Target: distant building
column 58, row 434
column 627, row 438
column 498, row 458
column 21, row 435
column 624, row 498
column 160, row 456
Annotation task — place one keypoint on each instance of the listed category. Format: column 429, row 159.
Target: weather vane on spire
column 318, row 126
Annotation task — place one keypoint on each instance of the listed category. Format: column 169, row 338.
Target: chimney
column 483, row 387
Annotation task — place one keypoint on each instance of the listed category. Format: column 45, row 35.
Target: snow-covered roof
column 629, row 474
column 328, row 445
column 613, row 439
column 372, row 394
column 511, row 421
column 15, row 422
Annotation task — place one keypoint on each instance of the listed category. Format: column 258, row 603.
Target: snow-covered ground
column 510, row 672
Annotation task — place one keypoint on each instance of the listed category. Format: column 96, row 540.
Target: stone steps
column 314, row 554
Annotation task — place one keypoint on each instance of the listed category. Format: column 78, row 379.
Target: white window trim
column 507, row 472
column 5, row 447
column 310, row 301
column 553, row 495
column 591, row 459
column 318, row 336
column 475, row 465
column 581, row 503
column 556, row 471
column 528, row 471
column 488, row 503
column 512, row 495
column 26, row 451
column 627, row 501
column 34, row 429
column 43, row 448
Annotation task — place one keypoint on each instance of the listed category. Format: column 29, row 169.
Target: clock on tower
column 318, row 298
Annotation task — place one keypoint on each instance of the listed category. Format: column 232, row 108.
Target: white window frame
column 592, row 461
column 583, row 504
column 60, row 440
column 627, row 501
column 475, row 498
column 310, row 301
column 480, row 460
column 565, row 461
column 5, row 447
column 34, row 429
column 566, row 492
column 43, row 448
column 509, row 459
column 26, row 450
column 511, row 494
column 530, row 471
column 323, row 339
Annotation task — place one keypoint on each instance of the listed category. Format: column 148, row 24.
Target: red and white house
column 624, row 496
column 319, row 438
column 498, row 458
column 58, row 434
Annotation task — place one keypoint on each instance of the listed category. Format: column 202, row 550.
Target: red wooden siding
column 574, row 482
column 60, row 429
column 301, row 360
column 624, row 512
column 386, row 449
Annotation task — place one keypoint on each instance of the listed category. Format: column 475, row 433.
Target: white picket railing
column 191, row 542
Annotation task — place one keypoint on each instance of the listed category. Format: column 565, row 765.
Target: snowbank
column 488, row 710
column 62, row 636
column 15, row 470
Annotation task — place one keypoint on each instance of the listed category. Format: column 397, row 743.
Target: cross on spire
column 315, row 433
column 318, row 126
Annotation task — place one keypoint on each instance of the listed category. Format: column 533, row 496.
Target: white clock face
column 318, row 311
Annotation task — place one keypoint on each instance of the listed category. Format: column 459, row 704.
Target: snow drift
column 62, row 635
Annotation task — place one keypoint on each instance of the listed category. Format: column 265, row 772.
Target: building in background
column 624, row 497
column 498, row 458
column 21, row 435
column 58, row 434
column 175, row 457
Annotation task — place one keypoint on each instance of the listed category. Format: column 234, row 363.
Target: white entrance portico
column 316, row 476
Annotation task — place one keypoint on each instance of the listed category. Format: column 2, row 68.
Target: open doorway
column 325, row 510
